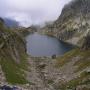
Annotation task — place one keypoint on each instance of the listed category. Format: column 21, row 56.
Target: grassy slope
column 12, row 70
column 82, row 63
column 83, row 79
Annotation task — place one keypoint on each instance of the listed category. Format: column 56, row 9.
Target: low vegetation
column 82, row 68
column 81, row 80
column 13, row 59
column 62, row 60
column 12, row 71
column 82, row 62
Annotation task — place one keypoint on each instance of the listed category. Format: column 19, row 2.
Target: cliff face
column 73, row 25
column 12, row 54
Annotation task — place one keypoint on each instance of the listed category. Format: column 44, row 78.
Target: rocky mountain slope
column 12, row 55
column 68, row 72
column 11, row 23
column 73, row 25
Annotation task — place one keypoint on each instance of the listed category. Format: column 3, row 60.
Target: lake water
column 43, row 45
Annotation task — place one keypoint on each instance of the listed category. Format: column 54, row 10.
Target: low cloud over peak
column 28, row 12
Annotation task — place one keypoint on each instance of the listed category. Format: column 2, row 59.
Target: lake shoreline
column 48, row 46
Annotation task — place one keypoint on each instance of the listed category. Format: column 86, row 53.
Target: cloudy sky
column 28, row 12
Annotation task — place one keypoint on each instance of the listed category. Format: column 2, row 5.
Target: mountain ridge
column 72, row 26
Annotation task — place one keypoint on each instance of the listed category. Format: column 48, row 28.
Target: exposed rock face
column 86, row 43
column 11, row 42
column 73, row 25
column 12, row 52
column 2, row 77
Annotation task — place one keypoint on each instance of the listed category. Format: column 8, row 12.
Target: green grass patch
column 83, row 79
column 23, row 62
column 13, row 73
column 50, row 81
column 62, row 60
column 80, row 80
column 82, row 63
column 13, row 47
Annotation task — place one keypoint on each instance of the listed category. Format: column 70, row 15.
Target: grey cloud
column 28, row 12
